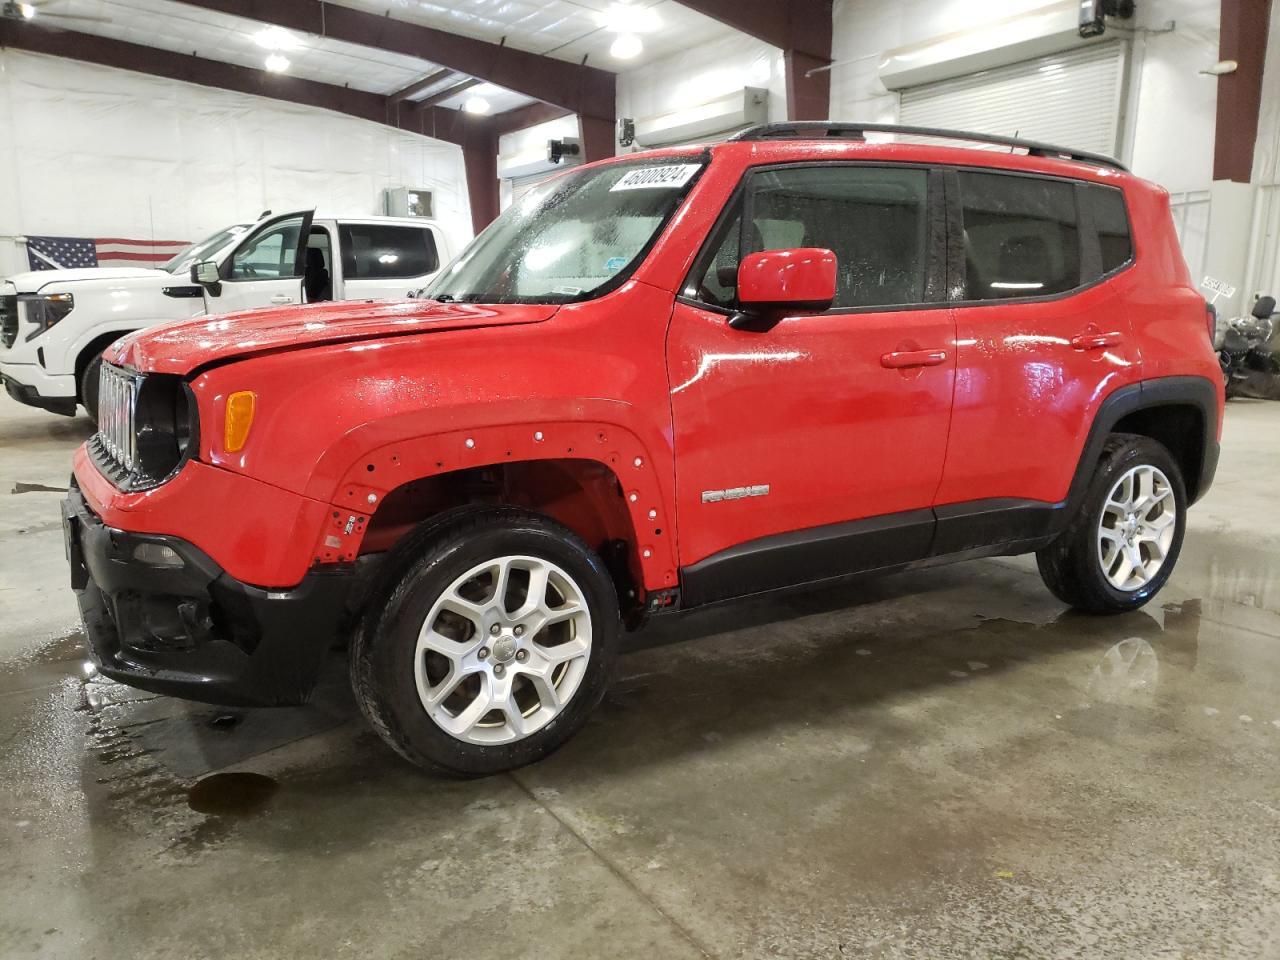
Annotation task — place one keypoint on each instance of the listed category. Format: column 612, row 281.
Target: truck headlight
column 46, row 309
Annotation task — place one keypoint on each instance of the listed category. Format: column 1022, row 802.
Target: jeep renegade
column 658, row 381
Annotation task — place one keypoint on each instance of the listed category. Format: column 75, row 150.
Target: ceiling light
column 27, row 10
column 626, row 47
column 275, row 38
column 277, row 63
column 476, row 105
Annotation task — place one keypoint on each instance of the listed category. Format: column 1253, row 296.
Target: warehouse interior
column 946, row 761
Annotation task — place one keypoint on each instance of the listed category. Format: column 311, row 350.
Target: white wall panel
column 1191, row 218
column 696, row 76
column 94, row 151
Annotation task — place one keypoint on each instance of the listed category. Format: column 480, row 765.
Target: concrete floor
column 939, row 764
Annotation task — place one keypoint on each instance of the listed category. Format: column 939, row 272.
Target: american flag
column 56, row 253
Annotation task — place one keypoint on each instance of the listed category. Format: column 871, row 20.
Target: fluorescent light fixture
column 627, row 47
column 388, row 258
column 275, row 38
column 476, row 105
column 1010, row 285
column 27, row 10
column 277, row 63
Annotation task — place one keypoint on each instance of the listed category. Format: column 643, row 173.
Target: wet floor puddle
column 232, row 794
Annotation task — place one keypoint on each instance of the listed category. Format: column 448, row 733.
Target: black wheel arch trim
column 1198, row 392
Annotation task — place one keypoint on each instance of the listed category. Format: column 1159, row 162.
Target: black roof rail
column 821, row 129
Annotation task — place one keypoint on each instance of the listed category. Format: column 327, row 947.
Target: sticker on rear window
column 666, row 177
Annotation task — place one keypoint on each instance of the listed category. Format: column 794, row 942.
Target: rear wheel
column 89, row 386
column 1122, row 545
column 491, row 647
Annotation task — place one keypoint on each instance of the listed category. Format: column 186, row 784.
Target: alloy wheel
column 503, row 650
column 1136, row 530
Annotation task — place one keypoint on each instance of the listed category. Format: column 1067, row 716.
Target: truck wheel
column 1123, row 543
column 489, row 643
column 89, row 386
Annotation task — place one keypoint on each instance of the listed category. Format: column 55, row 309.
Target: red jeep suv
column 656, row 382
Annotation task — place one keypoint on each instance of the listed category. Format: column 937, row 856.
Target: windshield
column 574, row 238
column 204, row 249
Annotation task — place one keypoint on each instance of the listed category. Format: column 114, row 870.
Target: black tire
column 414, row 576
column 89, row 386
column 1070, row 566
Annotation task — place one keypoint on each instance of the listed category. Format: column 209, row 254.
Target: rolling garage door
column 1072, row 99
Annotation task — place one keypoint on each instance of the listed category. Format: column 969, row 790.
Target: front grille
column 9, row 319
column 116, row 442
column 147, row 423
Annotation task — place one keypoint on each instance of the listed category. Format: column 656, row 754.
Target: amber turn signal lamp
column 239, row 418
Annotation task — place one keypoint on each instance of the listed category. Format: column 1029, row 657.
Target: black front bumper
column 189, row 629
column 25, row 393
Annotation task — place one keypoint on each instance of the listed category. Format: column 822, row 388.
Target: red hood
column 182, row 347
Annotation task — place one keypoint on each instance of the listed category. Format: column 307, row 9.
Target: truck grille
column 115, row 445
column 8, row 319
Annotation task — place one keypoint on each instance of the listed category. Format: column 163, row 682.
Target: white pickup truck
column 54, row 324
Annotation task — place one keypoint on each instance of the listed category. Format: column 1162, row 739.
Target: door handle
column 899, row 359
column 281, row 298
column 1095, row 341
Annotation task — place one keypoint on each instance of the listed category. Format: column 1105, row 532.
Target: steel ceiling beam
column 801, row 29
column 450, row 91
column 585, row 90
column 426, row 83
column 124, row 55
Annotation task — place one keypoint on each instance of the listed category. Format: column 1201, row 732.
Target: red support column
column 1243, row 39
column 808, row 95
column 597, row 137
column 480, row 157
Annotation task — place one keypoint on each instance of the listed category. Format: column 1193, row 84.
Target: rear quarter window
column 1111, row 222
column 374, row 251
column 1021, row 237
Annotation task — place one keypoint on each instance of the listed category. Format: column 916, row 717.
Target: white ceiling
column 182, row 28
column 565, row 29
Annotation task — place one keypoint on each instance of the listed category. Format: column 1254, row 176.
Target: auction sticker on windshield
column 668, row 177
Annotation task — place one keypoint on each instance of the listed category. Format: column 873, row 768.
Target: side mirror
column 775, row 281
column 205, row 272
column 1264, row 307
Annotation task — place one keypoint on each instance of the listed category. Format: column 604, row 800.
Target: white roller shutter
column 522, row 185
column 1069, row 99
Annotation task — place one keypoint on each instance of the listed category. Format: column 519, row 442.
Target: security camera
column 1093, row 14
column 557, row 150
column 626, row 131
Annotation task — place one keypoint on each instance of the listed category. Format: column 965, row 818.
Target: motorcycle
column 1242, row 345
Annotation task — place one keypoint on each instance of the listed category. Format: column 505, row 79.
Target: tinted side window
column 1020, row 236
column 375, row 251
column 717, row 282
column 1111, row 222
column 873, row 218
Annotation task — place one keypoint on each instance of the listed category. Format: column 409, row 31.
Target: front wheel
column 89, row 386
column 493, row 643
column 1122, row 545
